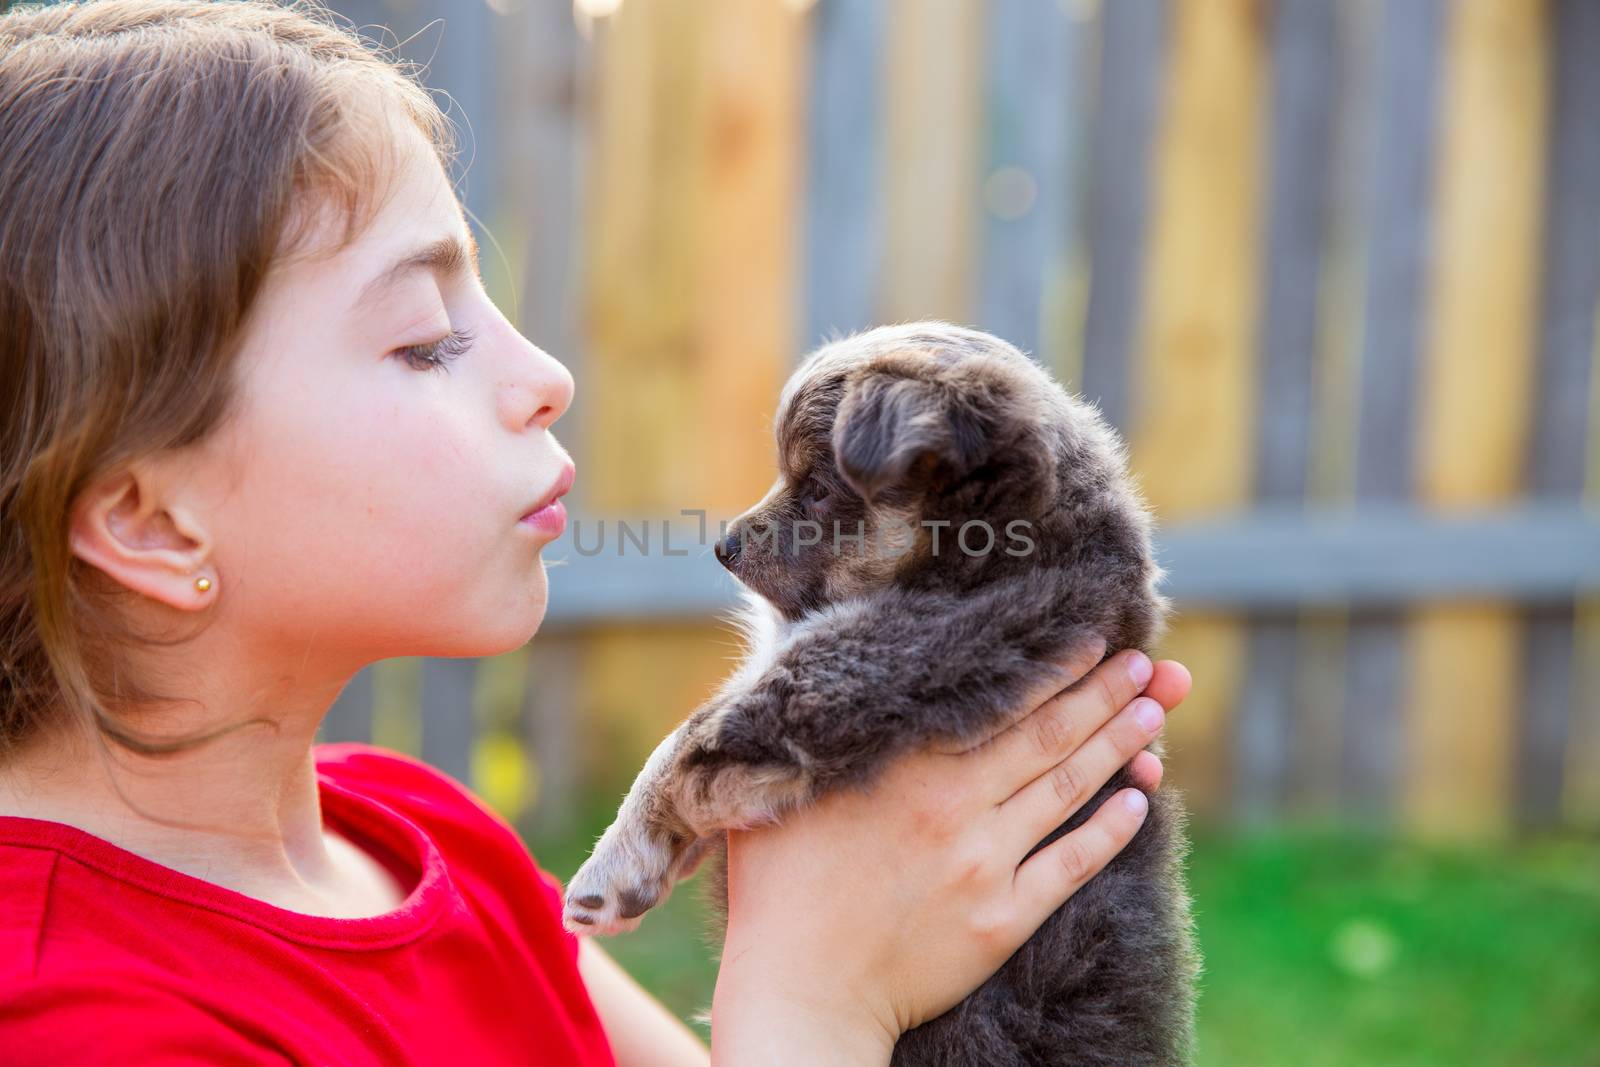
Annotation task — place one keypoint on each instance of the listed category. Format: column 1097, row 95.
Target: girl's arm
column 642, row 1032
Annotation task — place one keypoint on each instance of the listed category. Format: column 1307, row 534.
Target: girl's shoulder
column 416, row 789
column 484, row 852
column 87, row 928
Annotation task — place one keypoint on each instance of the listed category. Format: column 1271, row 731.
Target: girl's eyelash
column 436, row 355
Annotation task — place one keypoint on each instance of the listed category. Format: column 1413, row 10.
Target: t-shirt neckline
column 373, row 826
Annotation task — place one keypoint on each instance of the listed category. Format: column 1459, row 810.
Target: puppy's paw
column 627, row 875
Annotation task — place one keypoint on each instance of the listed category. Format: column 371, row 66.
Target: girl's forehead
column 414, row 207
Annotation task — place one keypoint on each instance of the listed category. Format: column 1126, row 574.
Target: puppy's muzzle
column 727, row 550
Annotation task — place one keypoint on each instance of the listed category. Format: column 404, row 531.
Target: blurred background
column 1332, row 268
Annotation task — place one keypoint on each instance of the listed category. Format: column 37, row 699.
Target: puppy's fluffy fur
column 870, row 643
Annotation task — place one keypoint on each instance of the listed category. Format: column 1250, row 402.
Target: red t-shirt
column 107, row 957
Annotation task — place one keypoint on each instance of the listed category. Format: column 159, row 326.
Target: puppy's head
column 901, row 451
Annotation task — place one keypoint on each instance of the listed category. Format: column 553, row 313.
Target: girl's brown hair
column 156, row 157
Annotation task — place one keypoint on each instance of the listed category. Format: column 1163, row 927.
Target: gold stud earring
column 202, row 584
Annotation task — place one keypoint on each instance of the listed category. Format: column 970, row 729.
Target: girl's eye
column 436, row 355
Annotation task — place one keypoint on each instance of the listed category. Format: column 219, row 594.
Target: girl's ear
column 123, row 527
column 900, row 436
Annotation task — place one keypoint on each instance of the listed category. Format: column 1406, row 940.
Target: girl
column 262, row 427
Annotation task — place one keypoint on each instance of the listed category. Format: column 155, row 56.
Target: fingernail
column 1148, row 713
column 1140, row 669
column 1135, row 802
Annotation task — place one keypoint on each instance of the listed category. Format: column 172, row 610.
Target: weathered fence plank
column 747, row 281
column 1316, row 700
column 1571, row 293
column 1398, row 228
column 449, row 724
column 640, row 255
column 1131, row 64
column 1032, row 96
column 1476, row 392
column 1302, row 99
column 1192, row 430
column 930, row 159
column 844, row 230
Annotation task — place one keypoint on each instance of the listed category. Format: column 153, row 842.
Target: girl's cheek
column 441, row 472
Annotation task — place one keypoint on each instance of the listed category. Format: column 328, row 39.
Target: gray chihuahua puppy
column 947, row 524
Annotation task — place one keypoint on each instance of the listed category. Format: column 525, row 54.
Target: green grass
column 1329, row 949
column 1333, row 949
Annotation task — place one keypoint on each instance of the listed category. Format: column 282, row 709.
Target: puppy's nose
column 727, row 550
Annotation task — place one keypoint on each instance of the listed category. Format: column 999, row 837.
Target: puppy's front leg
column 628, row 871
column 659, row 835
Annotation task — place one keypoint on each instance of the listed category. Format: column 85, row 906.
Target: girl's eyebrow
column 450, row 255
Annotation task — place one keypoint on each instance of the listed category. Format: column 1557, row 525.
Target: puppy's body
column 908, row 629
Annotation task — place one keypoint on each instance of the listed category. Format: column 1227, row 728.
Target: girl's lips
column 550, row 519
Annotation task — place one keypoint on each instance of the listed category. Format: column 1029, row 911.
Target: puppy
column 947, row 522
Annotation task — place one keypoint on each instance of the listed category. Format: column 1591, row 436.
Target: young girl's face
column 365, row 503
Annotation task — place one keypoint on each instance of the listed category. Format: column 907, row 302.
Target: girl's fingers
column 1058, row 726
column 1145, row 770
column 1045, row 803
column 1058, row 870
column 1067, row 672
column 1169, row 683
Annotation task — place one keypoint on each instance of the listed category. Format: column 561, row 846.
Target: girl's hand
column 875, row 910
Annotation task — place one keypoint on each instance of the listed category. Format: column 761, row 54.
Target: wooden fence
column 1332, row 267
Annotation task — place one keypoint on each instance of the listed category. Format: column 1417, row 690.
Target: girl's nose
column 539, row 394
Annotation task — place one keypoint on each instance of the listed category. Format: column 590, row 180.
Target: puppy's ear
column 896, row 434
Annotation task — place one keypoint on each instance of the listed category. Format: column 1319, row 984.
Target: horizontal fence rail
column 1261, row 560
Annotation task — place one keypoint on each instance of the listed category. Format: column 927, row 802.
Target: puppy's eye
column 814, row 495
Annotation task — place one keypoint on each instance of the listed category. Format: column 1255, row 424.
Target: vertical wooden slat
column 645, row 165
column 1545, row 709
column 843, row 233
column 449, row 722
column 1303, row 95
column 1033, row 81
column 1580, row 779
column 1580, row 789
column 551, row 709
column 1559, row 433
column 1398, row 229
column 639, row 680
column 1316, row 704
column 1476, row 397
column 691, row 275
column 746, row 316
column 1316, row 700
column 501, row 764
column 930, row 159
column 1303, row 92
column 1330, row 477
column 396, row 713
column 1193, row 429
column 1263, row 739
column 1131, row 64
